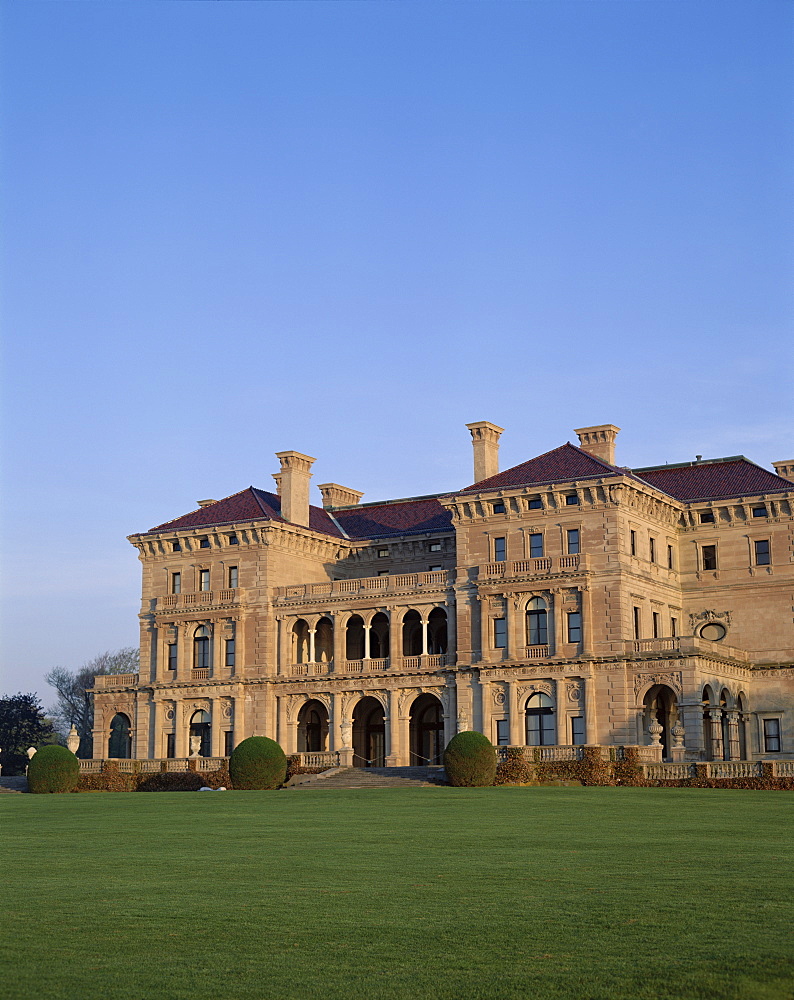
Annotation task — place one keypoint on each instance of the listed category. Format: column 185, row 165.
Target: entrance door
column 426, row 730
column 369, row 734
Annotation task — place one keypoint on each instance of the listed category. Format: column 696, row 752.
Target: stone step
column 13, row 784
column 378, row 777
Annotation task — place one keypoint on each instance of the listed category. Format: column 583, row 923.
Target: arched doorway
column 369, row 734
column 412, row 633
column 354, row 638
column 313, row 727
column 379, row 637
column 200, row 738
column 120, row 742
column 711, row 745
column 426, row 730
column 300, row 642
column 660, row 705
column 540, row 723
column 324, row 641
column 437, row 631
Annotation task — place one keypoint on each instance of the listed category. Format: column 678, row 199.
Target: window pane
column 176, row 583
column 204, row 579
column 577, row 730
column 537, row 634
column 772, row 735
column 759, row 511
column 633, row 542
column 499, row 549
column 572, row 500
column 709, row 557
column 499, row 507
column 573, row 541
column 574, row 627
column 535, row 504
column 232, row 577
column 230, row 652
column 172, row 655
column 536, row 545
column 762, row 552
column 500, row 633
column 502, row 733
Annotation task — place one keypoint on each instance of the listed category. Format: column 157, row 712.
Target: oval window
column 713, row 631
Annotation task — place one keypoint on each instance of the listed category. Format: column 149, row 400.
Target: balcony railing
column 546, row 565
column 115, row 680
column 428, row 661
column 536, row 652
column 435, row 580
column 198, row 598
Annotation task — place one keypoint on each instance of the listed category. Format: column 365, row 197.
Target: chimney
column 599, row 441
column 785, row 469
column 293, row 486
column 485, row 441
column 335, row 495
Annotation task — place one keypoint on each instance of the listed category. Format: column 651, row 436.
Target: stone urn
column 195, row 745
column 655, row 729
column 678, row 732
column 73, row 739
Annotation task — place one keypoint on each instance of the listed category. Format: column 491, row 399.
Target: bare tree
column 75, row 699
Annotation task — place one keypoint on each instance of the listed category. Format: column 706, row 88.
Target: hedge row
column 111, row 779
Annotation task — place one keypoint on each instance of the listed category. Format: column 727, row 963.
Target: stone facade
column 562, row 602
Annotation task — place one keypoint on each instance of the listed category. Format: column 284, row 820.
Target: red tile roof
column 561, row 465
column 250, row 504
column 714, row 480
column 401, row 517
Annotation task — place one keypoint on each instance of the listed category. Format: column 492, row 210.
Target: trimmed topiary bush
column 53, row 769
column 257, row 763
column 470, row 760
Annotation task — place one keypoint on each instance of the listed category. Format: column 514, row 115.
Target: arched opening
column 354, row 638
column 426, row 730
column 120, row 742
column 300, row 642
column 200, row 734
column 313, row 727
column 201, row 648
column 725, row 726
column 741, row 705
column 540, row 726
column 537, row 623
column 661, row 705
column 379, row 637
column 412, row 634
column 369, row 734
column 324, row 641
column 437, row 631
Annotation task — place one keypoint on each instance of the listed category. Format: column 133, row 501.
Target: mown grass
column 497, row 893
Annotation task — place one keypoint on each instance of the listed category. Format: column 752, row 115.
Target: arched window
column 300, row 642
column 537, row 627
column 741, row 705
column 379, row 637
column 201, row 648
column 120, row 742
column 540, row 721
column 412, row 633
column 354, row 638
column 200, row 728
column 437, row 631
column 324, row 641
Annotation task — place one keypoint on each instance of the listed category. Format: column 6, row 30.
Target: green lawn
column 576, row 893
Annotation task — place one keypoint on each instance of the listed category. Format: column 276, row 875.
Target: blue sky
column 233, row 229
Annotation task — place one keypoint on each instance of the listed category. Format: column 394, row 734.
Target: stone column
column 395, row 637
column 390, row 718
column 586, row 602
column 558, row 636
column 590, row 721
column 485, row 633
column 181, row 727
column 449, row 703
column 733, row 735
column 715, row 727
column 514, row 650
column 486, row 709
column 339, row 642
column 281, row 716
column 215, row 727
column 284, row 651
column 516, row 736
column 312, row 652
column 156, row 741
column 366, row 637
column 425, row 630
column 452, row 632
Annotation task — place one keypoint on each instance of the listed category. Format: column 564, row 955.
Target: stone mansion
column 565, row 601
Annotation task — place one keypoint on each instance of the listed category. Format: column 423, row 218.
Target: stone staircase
column 373, row 777
column 11, row 784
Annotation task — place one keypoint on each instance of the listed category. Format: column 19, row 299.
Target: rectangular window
column 674, row 627
column 234, row 540
column 535, row 504
column 636, row 623
column 759, row 511
column 633, row 542
column 571, row 500
column 656, row 624
column 204, row 579
column 502, row 733
column 669, row 556
column 383, row 553
column 383, row 572
column 499, row 507
column 204, row 543
column 709, row 553
column 434, row 569
column 172, row 655
column 707, row 517
column 652, row 549
column 772, row 735
column 229, row 652
column 176, row 583
column 228, row 743
column 762, row 556
column 500, row 633
column 577, row 730
column 574, row 626
column 435, row 546
column 573, row 541
column 499, row 549
column 176, row 547
column 536, row 545
column 170, row 745
column 232, row 577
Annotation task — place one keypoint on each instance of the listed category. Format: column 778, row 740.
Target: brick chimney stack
column 335, row 495
column 785, row 469
column 485, row 441
column 599, row 441
column 293, row 486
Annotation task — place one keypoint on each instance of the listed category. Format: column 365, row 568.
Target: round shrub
column 470, row 760
column 257, row 763
column 53, row 769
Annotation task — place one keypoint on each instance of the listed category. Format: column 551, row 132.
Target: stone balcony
column 201, row 598
column 427, row 661
column 544, row 566
column 107, row 681
column 393, row 583
column 683, row 645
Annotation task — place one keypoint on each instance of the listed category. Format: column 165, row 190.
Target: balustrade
column 523, row 567
column 115, row 680
column 438, row 579
column 536, row 652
